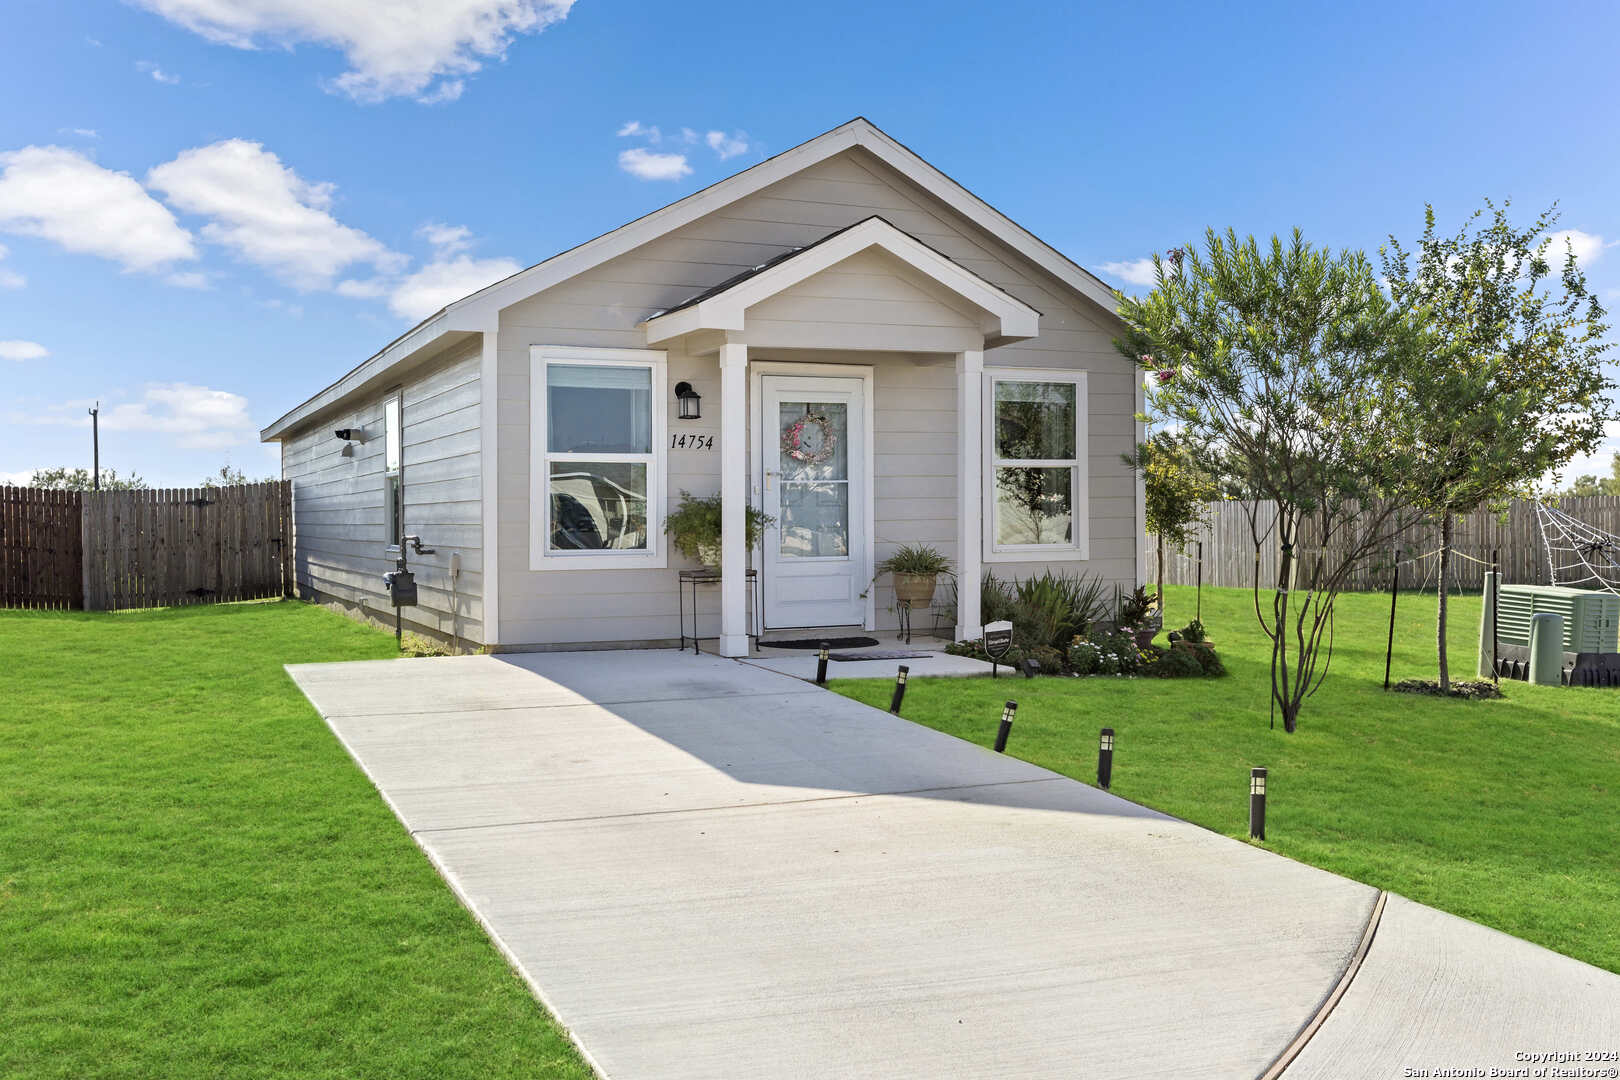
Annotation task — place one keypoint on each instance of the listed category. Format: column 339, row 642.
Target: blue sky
column 211, row 208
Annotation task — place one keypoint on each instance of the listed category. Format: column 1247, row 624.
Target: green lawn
column 1500, row 811
column 195, row 881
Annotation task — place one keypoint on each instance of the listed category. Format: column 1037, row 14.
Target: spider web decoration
column 1580, row 556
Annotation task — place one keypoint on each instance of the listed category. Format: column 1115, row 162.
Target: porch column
column 733, row 500
column 970, row 507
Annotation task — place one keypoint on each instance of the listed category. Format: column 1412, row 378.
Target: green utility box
column 1591, row 627
column 1591, row 619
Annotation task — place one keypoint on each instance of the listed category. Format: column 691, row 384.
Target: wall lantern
column 690, row 400
column 351, row 434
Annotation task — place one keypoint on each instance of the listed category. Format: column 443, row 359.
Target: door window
column 814, row 476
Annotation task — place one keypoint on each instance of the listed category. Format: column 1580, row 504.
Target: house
column 878, row 357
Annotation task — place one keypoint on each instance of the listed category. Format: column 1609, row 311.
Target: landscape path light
column 1006, row 726
column 899, row 689
column 1257, row 804
column 1105, row 758
column 821, row 664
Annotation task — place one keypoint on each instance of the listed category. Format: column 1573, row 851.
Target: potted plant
column 694, row 527
column 915, row 569
column 1140, row 614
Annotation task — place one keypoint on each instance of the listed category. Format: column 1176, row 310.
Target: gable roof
column 480, row 311
column 1005, row 317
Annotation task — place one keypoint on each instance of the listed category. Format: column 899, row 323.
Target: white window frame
column 541, row 555
column 1079, row 547
column 394, row 406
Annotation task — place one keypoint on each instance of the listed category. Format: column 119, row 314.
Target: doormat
column 816, row 643
column 889, row 654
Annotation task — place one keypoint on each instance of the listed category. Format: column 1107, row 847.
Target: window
column 1035, row 465
column 598, row 420
column 393, row 482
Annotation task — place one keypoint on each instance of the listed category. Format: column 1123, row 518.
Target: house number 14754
column 691, row 442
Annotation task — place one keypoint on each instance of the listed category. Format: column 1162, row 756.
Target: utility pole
column 95, row 447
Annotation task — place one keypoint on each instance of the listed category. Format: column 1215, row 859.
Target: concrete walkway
column 707, row 869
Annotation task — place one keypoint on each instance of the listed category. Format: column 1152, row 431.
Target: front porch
column 797, row 342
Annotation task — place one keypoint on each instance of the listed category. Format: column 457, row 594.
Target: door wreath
column 810, row 439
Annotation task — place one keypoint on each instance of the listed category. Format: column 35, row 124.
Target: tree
column 227, row 476
column 1513, row 385
column 1598, row 485
column 1276, row 357
column 65, row 479
column 1177, row 485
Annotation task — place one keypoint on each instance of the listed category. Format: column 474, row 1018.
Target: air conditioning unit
column 1591, row 619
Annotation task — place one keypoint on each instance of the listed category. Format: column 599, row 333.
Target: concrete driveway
column 707, row 869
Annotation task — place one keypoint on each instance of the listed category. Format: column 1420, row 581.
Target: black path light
column 1030, row 666
column 1105, row 758
column 821, row 664
column 899, row 689
column 1257, row 804
column 1006, row 726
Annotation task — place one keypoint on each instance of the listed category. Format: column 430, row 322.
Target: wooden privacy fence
column 153, row 547
column 40, row 564
column 1229, row 547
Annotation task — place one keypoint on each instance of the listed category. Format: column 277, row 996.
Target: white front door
column 815, row 466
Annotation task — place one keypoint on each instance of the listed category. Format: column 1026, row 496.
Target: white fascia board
column 1009, row 318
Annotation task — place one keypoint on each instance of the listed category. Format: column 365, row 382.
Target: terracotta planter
column 915, row 589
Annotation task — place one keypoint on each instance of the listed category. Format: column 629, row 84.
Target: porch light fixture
column 690, row 400
column 1105, row 758
column 1006, row 726
column 1257, row 804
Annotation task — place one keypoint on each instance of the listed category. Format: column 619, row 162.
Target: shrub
column 1046, row 610
column 1177, row 663
column 1084, row 657
column 1194, row 632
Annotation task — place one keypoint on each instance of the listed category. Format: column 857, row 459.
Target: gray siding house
column 881, row 357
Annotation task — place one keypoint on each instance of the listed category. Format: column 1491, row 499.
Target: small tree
column 65, row 479
column 1177, row 486
column 1276, row 357
column 229, row 476
column 1513, row 386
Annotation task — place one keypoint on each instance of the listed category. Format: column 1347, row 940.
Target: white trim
column 656, row 555
column 393, row 442
column 489, row 480
column 733, row 362
column 1079, row 547
column 969, row 493
column 474, row 312
column 1006, row 318
column 1141, row 545
column 757, row 369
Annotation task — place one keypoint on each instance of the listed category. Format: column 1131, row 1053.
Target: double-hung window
column 597, row 458
column 393, row 480
column 1035, row 466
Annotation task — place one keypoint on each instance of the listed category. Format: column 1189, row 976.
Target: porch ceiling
column 994, row 316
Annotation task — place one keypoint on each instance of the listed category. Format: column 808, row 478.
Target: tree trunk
column 1279, row 660
column 1445, row 568
column 1161, row 576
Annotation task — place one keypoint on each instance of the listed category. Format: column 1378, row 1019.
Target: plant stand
column 704, row 576
column 903, row 611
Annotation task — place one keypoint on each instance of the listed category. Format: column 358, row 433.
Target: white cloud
column 83, row 133
column 198, row 417
column 1586, row 246
column 637, row 128
column 266, row 213
column 727, row 146
column 446, row 239
column 446, row 281
column 20, row 478
column 23, row 350
column 10, row 279
column 644, row 164
column 157, row 73
column 1131, row 271
column 190, row 279
column 363, row 290
column 395, row 48
column 62, row 196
